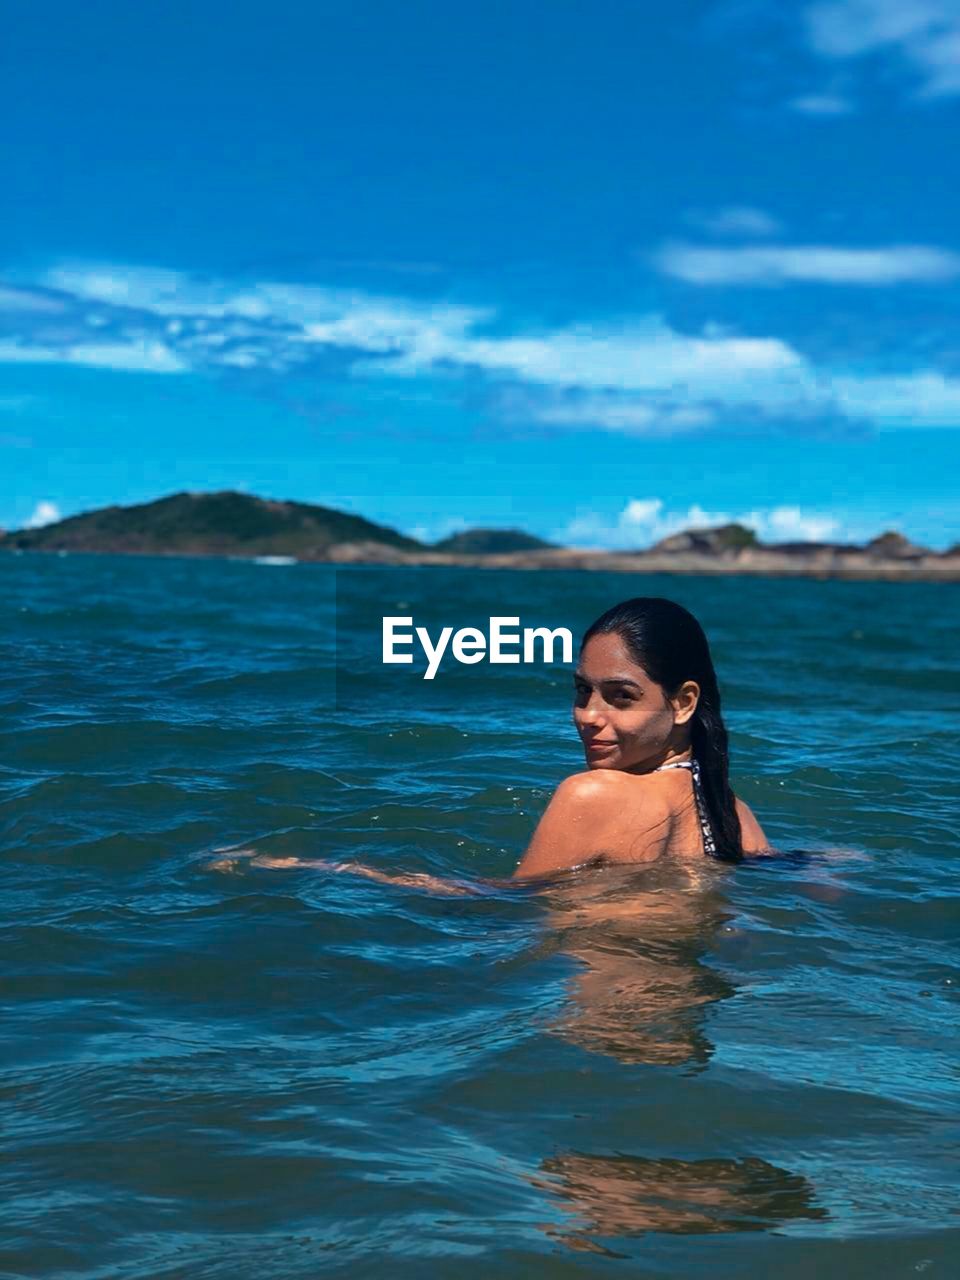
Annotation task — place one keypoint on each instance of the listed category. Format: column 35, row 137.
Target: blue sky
column 601, row 271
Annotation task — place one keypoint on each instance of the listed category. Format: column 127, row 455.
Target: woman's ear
column 684, row 701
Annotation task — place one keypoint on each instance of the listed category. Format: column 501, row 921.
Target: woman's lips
column 599, row 746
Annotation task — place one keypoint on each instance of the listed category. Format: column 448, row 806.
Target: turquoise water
column 273, row 1073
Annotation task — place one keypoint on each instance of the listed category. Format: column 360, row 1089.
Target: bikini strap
column 709, row 844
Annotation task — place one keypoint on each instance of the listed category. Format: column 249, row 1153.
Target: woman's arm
column 570, row 833
column 409, row 879
column 751, row 832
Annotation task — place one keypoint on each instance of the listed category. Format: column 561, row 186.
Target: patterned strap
column 709, row 844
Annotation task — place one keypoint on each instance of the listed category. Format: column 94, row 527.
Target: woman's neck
column 669, row 755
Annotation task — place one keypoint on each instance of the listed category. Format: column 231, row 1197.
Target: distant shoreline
column 853, row 565
column 239, row 526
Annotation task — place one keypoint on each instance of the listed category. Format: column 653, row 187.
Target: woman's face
column 624, row 718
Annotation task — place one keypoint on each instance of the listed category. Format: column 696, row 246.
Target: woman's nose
column 592, row 712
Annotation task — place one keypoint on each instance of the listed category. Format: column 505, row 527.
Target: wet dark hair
column 668, row 642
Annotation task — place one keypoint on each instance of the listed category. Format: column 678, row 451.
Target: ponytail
column 708, row 738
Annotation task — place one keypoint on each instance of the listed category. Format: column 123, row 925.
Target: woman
column 647, row 709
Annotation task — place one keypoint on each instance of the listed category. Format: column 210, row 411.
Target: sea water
column 257, row 1072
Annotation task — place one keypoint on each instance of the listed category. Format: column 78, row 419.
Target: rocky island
column 243, row 526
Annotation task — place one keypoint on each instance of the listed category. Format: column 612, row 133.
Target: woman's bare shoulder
column 606, row 781
column 596, row 789
column 592, row 783
column 583, row 816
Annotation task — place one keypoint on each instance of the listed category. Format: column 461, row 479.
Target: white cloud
column 144, row 356
column 423, row 334
column 917, row 400
column 43, row 513
column 12, row 299
column 624, row 416
column 791, row 524
column 343, row 317
column 737, row 220
column 122, row 285
column 132, row 356
column 822, row 104
column 819, row 264
column 640, row 522
column 409, row 337
column 241, row 359
column 639, row 356
column 642, row 511
column 637, row 377
column 644, row 521
column 924, row 33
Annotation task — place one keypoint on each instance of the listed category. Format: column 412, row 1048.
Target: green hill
column 481, row 542
column 724, row 537
column 209, row 524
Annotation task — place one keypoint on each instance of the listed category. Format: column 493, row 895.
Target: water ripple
column 277, row 1073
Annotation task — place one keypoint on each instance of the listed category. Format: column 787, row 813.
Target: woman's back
column 619, row 817
column 656, row 815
